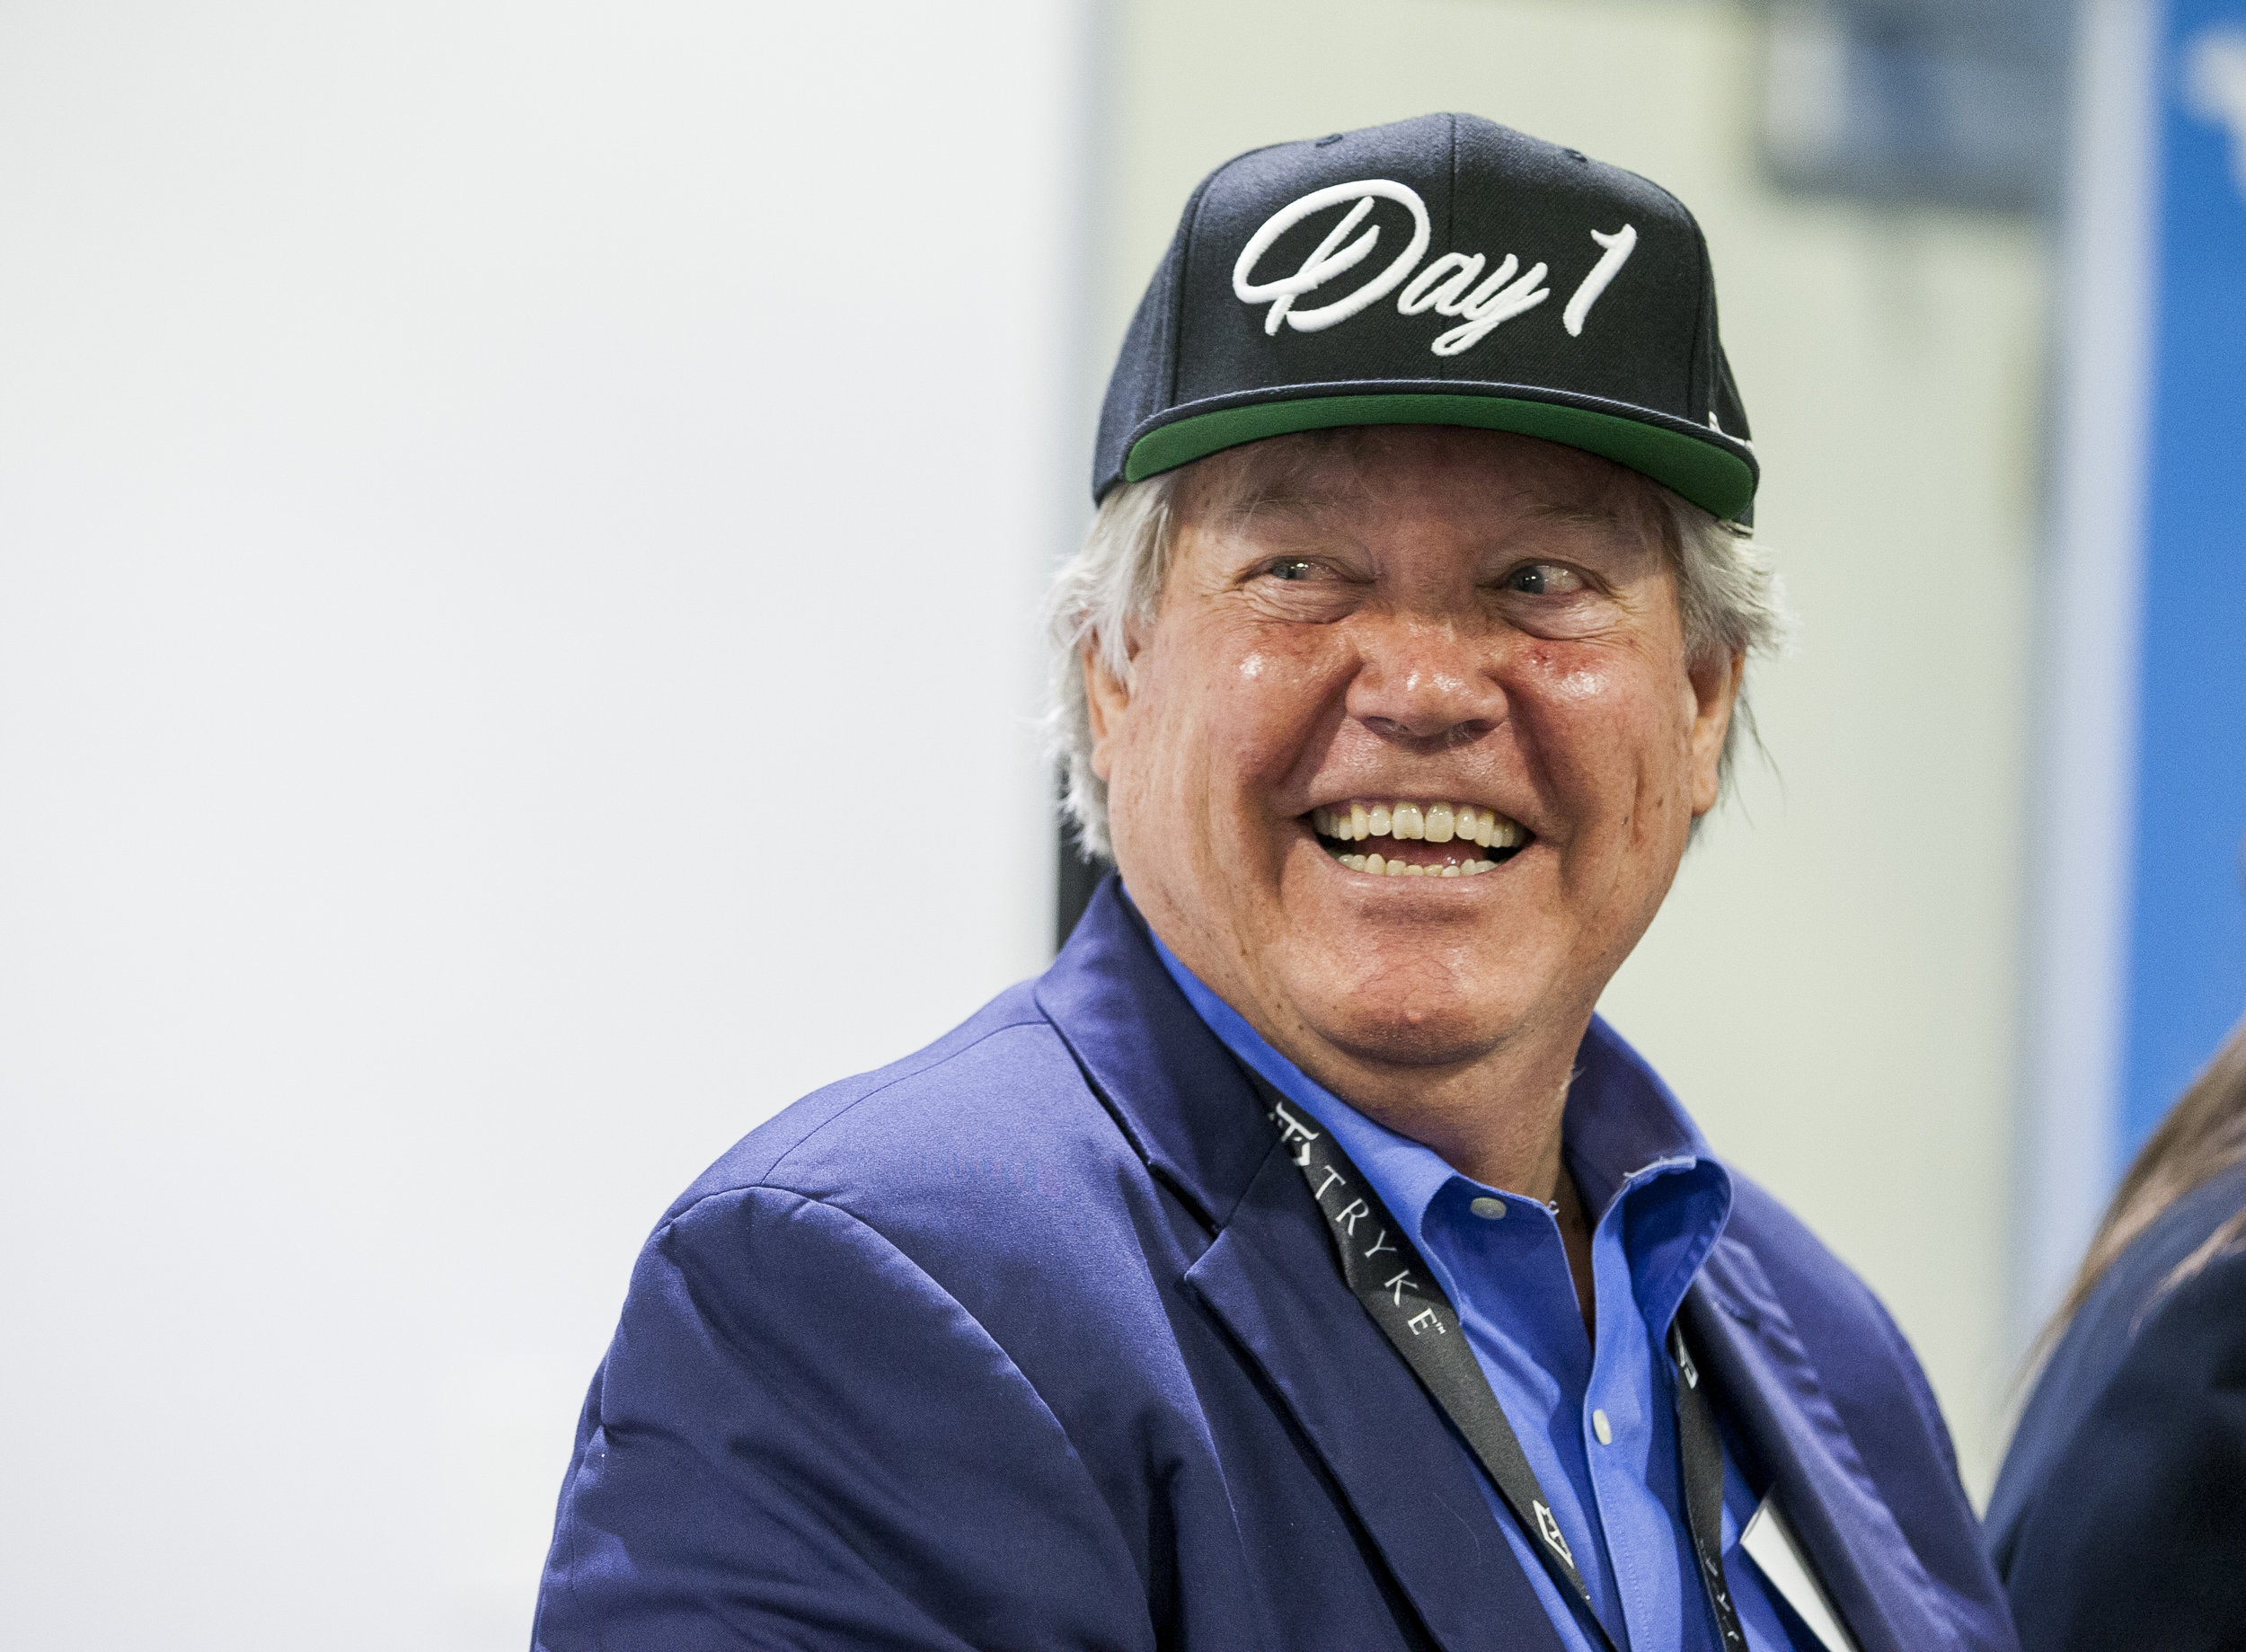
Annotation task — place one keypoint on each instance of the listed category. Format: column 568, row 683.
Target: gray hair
column 1730, row 598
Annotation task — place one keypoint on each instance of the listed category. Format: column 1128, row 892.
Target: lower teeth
column 1381, row 867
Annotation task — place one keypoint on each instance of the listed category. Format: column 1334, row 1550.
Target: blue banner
column 2186, row 976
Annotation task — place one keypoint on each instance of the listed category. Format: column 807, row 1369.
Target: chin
column 1413, row 1024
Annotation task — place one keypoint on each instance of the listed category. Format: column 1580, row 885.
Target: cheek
column 1580, row 694
column 1597, row 722
column 1219, row 707
column 1573, row 678
column 1264, row 704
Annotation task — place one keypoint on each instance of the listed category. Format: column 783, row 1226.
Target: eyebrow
column 1278, row 492
column 1302, row 505
column 1300, row 499
column 1581, row 515
column 1290, row 506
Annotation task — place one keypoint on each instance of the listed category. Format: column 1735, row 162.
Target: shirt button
column 1601, row 1427
column 1488, row 1209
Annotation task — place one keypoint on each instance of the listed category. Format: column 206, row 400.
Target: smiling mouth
column 1420, row 840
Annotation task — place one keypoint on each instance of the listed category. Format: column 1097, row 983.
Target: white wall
column 518, row 532
column 1833, row 981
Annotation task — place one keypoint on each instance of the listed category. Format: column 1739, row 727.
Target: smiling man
column 1300, row 1262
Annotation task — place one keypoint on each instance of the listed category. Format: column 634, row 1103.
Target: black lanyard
column 1399, row 1290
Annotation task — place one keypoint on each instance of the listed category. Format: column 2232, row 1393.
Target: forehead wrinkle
column 1624, row 509
column 1288, row 512
column 1299, row 476
column 1300, row 482
column 1580, row 515
column 1298, row 495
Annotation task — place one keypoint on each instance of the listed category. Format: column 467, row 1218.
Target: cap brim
column 1704, row 467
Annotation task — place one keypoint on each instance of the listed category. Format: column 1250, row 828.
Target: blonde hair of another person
column 2203, row 1135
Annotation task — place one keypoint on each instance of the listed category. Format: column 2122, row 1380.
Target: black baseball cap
column 1442, row 270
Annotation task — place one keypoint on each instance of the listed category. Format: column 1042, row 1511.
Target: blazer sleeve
column 798, row 1440
column 2139, row 1536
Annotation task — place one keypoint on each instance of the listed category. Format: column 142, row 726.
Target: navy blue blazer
column 2120, row 1518
column 1034, row 1339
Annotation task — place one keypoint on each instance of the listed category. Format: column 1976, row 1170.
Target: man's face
column 1383, row 631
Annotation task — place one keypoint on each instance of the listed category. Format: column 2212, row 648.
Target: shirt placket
column 1525, row 1244
column 1616, row 1427
column 1622, row 1434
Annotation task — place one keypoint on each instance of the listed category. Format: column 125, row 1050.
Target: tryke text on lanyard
column 1397, row 1289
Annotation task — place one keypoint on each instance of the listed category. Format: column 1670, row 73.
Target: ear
column 1107, row 698
column 1715, row 685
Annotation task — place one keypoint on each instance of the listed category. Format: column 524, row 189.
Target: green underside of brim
column 1719, row 482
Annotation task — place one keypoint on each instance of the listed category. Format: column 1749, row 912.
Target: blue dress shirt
column 1596, row 1418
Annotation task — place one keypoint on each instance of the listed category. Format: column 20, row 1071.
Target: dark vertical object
column 1078, row 878
column 1098, row 50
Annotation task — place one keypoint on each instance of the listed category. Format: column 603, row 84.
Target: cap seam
column 1450, row 204
column 1700, row 307
column 1703, row 345
column 1179, row 287
column 1193, row 209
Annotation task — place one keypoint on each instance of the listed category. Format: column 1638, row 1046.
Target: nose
column 1425, row 685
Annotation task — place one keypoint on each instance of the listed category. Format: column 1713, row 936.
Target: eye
column 1544, row 579
column 1289, row 568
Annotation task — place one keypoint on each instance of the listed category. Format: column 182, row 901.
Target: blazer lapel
column 1269, row 1275
column 1272, row 1278
column 1765, row 1375
column 1171, row 1087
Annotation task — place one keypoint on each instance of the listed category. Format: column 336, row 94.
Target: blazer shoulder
column 975, row 1075
column 988, row 1165
column 1865, row 1361
column 1807, row 1278
column 991, row 1127
column 1853, row 1361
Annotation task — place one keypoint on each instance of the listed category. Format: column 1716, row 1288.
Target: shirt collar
column 1623, row 1127
column 1622, row 1120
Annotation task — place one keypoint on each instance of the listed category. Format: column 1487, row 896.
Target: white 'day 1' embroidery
column 1452, row 285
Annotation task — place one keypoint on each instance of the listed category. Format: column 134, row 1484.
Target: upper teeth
column 1437, row 823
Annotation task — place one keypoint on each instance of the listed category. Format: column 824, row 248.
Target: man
column 1299, row 1262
